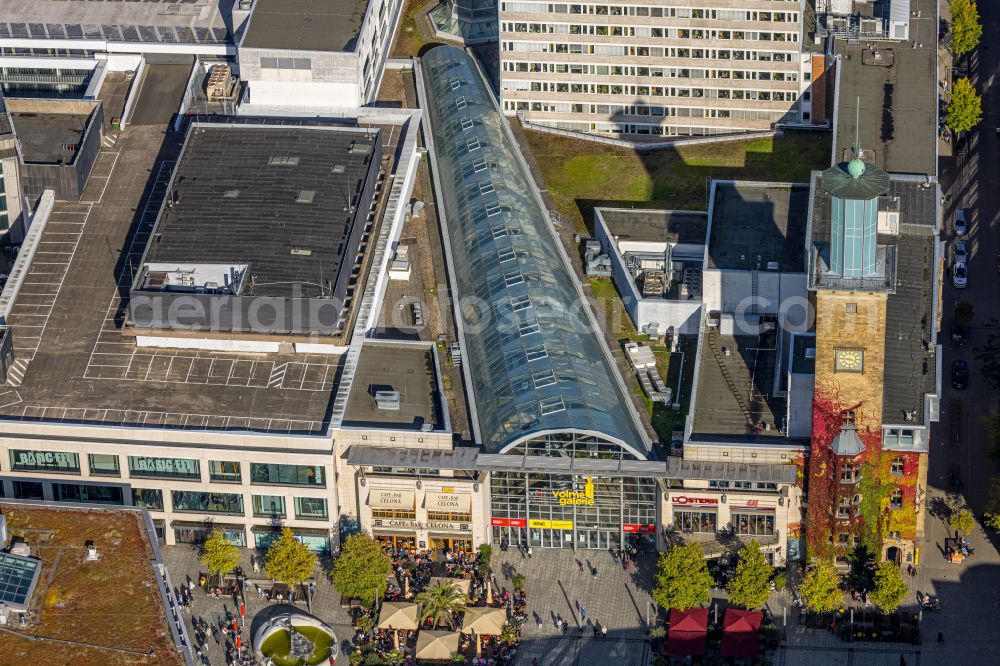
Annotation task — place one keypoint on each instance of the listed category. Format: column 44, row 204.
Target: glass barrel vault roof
column 534, row 361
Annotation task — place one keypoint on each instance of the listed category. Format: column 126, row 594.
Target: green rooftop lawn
column 583, row 174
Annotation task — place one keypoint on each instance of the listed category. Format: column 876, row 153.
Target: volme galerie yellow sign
column 573, row 497
column 554, row 524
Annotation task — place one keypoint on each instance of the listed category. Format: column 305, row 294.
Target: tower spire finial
column 856, row 167
column 857, row 127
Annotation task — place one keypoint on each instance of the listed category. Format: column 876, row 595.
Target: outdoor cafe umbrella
column 463, row 584
column 436, row 645
column 688, row 631
column 397, row 615
column 739, row 633
column 483, row 621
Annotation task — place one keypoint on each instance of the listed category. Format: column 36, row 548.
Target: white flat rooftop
column 181, row 21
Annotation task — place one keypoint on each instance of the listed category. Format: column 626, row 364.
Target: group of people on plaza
column 413, row 573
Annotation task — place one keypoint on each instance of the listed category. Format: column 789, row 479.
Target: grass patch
column 583, row 174
column 410, row 40
column 609, row 304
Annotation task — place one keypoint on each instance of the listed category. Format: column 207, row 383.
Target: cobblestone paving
column 616, row 598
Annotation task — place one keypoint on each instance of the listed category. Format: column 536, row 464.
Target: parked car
column 961, row 222
column 958, row 335
column 960, row 374
column 961, row 252
column 960, row 276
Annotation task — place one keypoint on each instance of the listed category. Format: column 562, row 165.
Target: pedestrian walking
column 579, row 566
column 559, row 623
column 940, row 637
column 597, row 631
column 593, row 571
column 604, row 631
column 530, row 552
column 583, row 613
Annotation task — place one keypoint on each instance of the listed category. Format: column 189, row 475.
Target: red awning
column 739, row 633
column 688, row 631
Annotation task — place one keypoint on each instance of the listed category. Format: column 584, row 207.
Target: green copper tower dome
column 856, row 167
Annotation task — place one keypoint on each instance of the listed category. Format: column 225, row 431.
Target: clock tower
column 851, row 276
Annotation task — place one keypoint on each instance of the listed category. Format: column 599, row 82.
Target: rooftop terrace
column 754, row 224
column 409, row 369
column 305, row 25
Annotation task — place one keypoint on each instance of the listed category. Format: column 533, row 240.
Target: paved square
column 556, row 587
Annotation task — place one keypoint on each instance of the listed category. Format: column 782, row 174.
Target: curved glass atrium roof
column 534, row 361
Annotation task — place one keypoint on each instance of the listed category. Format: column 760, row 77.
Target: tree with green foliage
column 966, row 30
column 962, row 521
column 440, row 601
column 483, row 562
column 682, row 578
column 890, row 588
column 288, row 560
column 965, row 110
column 820, row 588
column 218, row 554
column 751, row 584
column 361, row 570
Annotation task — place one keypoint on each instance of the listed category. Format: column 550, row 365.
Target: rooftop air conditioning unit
column 387, row 400
column 810, row 353
column 20, row 548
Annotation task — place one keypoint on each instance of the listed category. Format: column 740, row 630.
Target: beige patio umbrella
column 437, row 645
column 463, row 584
column 483, row 621
column 398, row 615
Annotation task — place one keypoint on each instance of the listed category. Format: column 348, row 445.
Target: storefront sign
column 754, row 504
column 638, row 529
column 390, row 498
column 509, row 522
column 553, row 524
column 681, row 499
column 573, row 497
column 447, row 525
column 397, row 523
column 445, row 502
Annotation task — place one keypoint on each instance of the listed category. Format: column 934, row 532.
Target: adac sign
column 575, row 497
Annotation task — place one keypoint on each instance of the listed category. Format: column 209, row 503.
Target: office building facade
column 657, row 68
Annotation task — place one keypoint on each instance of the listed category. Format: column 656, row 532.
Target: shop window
column 164, row 468
column 450, row 517
column 288, row 475
column 44, row 461
column 28, row 490
column 224, row 472
column 87, row 494
column 753, row 523
column 696, row 521
column 197, row 502
column 148, row 498
column 310, row 508
column 103, row 464
column 399, row 514
column 268, row 506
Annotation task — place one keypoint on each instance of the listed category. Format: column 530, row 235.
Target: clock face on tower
column 849, row 360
